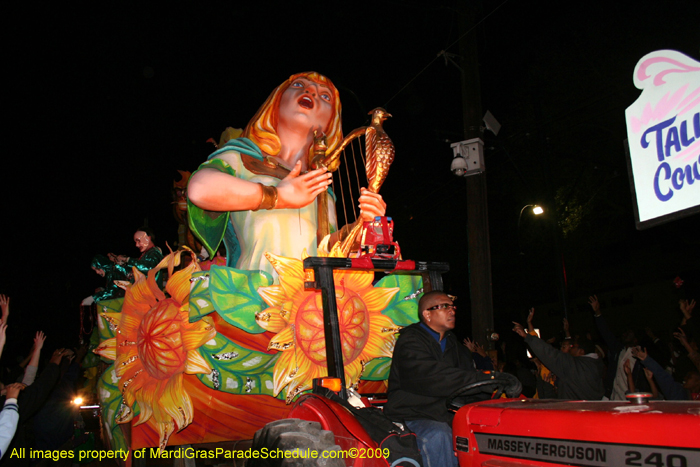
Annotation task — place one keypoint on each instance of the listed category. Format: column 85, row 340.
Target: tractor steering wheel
column 474, row 388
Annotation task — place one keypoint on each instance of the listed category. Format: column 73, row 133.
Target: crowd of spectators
column 36, row 398
column 599, row 364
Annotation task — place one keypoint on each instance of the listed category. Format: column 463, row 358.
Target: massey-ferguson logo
column 663, row 128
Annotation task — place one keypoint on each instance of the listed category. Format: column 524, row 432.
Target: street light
column 536, row 210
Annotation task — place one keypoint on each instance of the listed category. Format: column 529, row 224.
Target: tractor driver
column 429, row 365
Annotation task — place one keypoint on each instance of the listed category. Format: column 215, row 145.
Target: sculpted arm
column 217, row 191
column 213, row 190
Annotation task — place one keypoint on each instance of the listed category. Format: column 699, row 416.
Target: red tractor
column 323, row 431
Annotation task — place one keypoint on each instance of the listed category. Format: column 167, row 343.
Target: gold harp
column 377, row 157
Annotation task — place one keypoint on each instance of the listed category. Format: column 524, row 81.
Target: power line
column 442, row 52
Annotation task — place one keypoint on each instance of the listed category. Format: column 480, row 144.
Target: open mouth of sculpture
column 306, row 102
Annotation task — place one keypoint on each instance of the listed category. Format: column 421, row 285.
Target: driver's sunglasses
column 443, row 306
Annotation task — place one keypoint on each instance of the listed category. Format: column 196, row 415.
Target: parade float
column 223, row 349
column 238, row 351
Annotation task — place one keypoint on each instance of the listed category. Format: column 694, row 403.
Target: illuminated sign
column 663, row 130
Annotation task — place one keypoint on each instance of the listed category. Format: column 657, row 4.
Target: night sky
column 104, row 103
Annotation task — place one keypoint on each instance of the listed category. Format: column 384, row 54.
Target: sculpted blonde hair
column 262, row 128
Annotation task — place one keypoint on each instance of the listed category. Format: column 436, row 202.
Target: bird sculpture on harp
column 379, row 154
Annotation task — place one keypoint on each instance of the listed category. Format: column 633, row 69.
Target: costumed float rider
column 260, row 181
column 104, row 267
column 151, row 255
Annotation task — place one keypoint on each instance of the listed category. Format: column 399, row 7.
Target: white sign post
column 663, row 129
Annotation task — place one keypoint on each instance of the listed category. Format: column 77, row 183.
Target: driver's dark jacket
column 422, row 376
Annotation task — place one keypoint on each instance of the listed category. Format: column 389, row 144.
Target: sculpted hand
column 297, row 191
column 371, row 205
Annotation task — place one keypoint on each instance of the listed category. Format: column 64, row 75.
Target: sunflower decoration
column 296, row 316
column 155, row 345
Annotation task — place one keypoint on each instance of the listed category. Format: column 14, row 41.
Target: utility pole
column 479, row 248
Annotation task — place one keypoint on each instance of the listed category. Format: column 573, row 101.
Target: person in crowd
column 53, row 424
column 579, row 373
column 545, row 382
column 690, row 346
column 9, row 416
column 689, row 389
column 427, row 367
column 5, row 307
column 33, row 365
column 649, row 376
column 616, row 380
column 478, row 354
column 29, row 402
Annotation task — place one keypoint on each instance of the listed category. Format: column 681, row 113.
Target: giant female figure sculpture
column 207, row 343
column 260, row 181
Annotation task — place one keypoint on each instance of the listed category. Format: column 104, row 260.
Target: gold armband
column 269, row 197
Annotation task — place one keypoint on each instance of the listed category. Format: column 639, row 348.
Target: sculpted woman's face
column 306, row 105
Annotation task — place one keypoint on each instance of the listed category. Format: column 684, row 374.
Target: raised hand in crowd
column 519, row 329
column 686, row 309
column 595, row 304
column 530, row 317
column 32, row 367
column 475, row 347
column 650, row 378
column 57, row 356
column 12, row 390
column 39, row 339
column 683, row 339
column 638, row 353
column 691, row 347
column 628, row 372
column 565, row 323
column 3, row 336
column 5, row 307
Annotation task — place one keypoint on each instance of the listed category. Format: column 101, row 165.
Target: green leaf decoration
column 377, row 369
column 90, row 358
column 200, row 299
column 234, row 294
column 240, row 370
column 106, row 332
column 401, row 309
column 111, row 401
